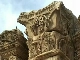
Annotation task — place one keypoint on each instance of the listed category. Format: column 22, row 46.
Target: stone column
column 47, row 31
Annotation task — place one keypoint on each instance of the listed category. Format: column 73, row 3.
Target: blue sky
column 10, row 10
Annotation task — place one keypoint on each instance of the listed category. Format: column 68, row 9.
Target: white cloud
column 8, row 16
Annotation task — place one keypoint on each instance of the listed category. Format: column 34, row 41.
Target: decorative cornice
column 25, row 16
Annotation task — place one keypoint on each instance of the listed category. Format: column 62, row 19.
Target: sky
column 11, row 9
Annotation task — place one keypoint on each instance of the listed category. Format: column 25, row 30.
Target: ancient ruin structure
column 13, row 45
column 53, row 33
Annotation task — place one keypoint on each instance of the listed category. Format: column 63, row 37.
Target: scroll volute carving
column 29, row 31
column 39, row 48
column 48, row 41
column 32, row 27
column 34, row 48
column 45, row 44
column 37, row 26
column 33, row 51
column 62, row 45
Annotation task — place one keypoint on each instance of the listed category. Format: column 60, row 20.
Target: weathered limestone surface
column 53, row 33
column 13, row 45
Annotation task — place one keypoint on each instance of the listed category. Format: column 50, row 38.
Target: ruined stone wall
column 13, row 45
